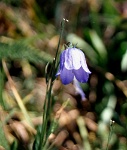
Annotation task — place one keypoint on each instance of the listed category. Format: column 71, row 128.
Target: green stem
column 61, row 33
column 1, row 85
column 110, row 135
column 48, row 100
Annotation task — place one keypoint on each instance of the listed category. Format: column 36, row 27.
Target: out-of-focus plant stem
column 1, row 85
column 17, row 96
column 84, row 133
column 110, row 133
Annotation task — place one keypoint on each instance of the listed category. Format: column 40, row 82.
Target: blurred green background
column 29, row 33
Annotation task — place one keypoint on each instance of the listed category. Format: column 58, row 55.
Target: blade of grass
column 16, row 94
column 1, row 85
column 3, row 140
column 110, row 133
column 84, row 133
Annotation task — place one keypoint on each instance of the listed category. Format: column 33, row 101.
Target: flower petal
column 81, row 75
column 79, row 89
column 83, row 63
column 66, row 76
column 62, row 60
column 68, row 59
column 76, row 54
column 73, row 63
column 72, row 59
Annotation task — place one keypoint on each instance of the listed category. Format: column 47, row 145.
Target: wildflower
column 79, row 89
column 73, row 64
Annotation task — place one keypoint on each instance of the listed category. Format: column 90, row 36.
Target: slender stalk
column 17, row 96
column 61, row 33
column 46, row 115
column 110, row 133
column 48, row 100
column 1, row 85
column 84, row 133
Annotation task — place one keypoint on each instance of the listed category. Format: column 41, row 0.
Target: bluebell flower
column 79, row 89
column 73, row 64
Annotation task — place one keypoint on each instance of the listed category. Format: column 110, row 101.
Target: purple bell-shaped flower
column 73, row 64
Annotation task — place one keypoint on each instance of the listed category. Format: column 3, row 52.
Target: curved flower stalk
column 73, row 64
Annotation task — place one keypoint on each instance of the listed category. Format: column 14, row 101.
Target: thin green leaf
column 124, row 62
column 19, row 50
column 3, row 141
column 99, row 46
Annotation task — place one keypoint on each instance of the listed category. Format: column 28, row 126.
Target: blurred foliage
column 29, row 33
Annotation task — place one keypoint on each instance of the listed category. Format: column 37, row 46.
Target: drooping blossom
column 73, row 64
column 78, row 89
